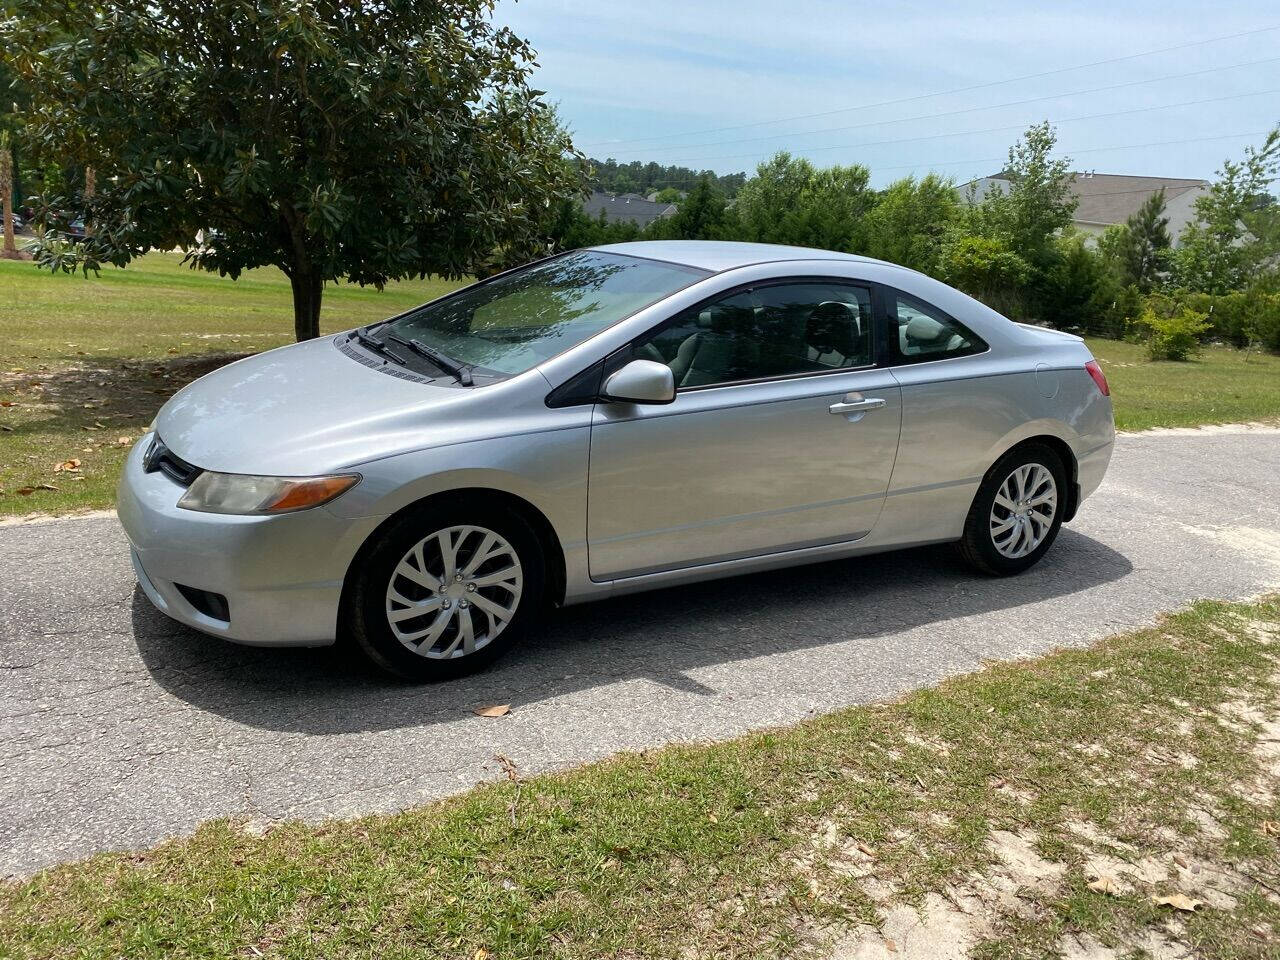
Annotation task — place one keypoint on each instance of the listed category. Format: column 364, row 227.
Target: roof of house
column 626, row 206
column 1106, row 198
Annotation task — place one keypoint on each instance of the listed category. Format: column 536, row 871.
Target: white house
column 1107, row 198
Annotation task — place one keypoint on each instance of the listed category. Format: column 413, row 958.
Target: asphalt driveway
column 119, row 727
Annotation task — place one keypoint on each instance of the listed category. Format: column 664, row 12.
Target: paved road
column 119, row 727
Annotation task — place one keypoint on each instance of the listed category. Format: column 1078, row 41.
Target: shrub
column 986, row 268
column 1244, row 318
column 1077, row 290
column 1174, row 336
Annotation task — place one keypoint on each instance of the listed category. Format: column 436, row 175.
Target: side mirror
column 641, row 381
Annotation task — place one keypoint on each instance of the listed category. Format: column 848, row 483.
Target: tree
column 909, row 222
column 670, row 195
column 1146, row 253
column 790, row 201
column 1079, row 290
column 336, row 139
column 10, row 249
column 1038, row 202
column 985, row 268
column 1236, row 233
column 699, row 217
column 1023, row 220
column 1040, row 197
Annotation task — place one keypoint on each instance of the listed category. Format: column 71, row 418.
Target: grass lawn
column 85, row 363
column 1222, row 385
column 1124, row 796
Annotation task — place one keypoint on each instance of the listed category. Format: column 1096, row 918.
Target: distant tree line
column 646, row 178
column 1015, row 250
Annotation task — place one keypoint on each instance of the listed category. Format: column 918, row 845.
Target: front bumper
column 281, row 576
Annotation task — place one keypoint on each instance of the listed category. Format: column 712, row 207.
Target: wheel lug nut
column 463, row 604
column 447, row 604
column 457, row 578
column 471, row 588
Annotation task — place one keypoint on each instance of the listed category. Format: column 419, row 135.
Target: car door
column 782, row 434
column 957, row 403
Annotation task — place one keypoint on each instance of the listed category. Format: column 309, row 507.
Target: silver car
column 610, row 420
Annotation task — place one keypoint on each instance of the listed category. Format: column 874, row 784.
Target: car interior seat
column 833, row 334
column 718, row 353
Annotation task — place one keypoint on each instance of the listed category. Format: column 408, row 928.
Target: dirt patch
column 1015, row 889
column 939, row 930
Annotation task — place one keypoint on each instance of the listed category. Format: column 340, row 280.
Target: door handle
column 857, row 406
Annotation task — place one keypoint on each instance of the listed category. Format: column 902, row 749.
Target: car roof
column 718, row 255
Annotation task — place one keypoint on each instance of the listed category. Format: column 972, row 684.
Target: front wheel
column 445, row 590
column 1017, row 511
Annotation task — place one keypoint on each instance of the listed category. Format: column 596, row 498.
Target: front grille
column 159, row 457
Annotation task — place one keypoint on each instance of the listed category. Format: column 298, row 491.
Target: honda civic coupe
column 609, row 420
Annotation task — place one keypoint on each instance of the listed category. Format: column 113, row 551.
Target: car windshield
column 515, row 321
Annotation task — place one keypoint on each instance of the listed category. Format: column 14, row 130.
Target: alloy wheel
column 453, row 592
column 1023, row 511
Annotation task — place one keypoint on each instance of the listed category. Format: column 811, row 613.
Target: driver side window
column 774, row 331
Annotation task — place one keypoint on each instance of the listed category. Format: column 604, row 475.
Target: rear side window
column 926, row 333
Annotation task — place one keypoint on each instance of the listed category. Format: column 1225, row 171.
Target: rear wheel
column 446, row 590
column 1017, row 511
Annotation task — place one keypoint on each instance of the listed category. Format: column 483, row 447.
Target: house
column 618, row 207
column 1108, row 198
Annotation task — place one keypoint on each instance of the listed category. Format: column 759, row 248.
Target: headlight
column 242, row 493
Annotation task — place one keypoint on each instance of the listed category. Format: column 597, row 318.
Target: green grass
column 155, row 308
column 85, row 362
column 764, row 845
column 1221, row 385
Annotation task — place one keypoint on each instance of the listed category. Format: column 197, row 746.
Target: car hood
column 299, row 410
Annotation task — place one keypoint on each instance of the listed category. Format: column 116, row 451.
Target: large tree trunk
column 308, row 289
column 10, row 251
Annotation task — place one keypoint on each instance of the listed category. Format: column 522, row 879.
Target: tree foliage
column 701, row 216
column 639, row 177
column 1237, row 226
column 791, row 201
column 908, row 223
column 336, row 139
column 1139, row 247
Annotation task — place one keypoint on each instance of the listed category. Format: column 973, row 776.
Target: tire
column 1000, row 541
column 416, row 623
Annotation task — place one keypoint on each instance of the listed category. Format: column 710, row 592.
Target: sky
column 908, row 87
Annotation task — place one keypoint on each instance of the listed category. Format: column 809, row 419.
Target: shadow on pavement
column 658, row 636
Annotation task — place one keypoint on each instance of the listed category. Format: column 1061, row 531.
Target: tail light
column 1099, row 378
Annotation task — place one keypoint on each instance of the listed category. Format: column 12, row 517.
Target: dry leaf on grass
column 65, row 465
column 1106, row 884
column 124, row 441
column 1270, row 828
column 493, row 710
column 1178, row 901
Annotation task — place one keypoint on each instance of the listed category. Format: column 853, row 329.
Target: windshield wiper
column 459, row 371
column 362, row 334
